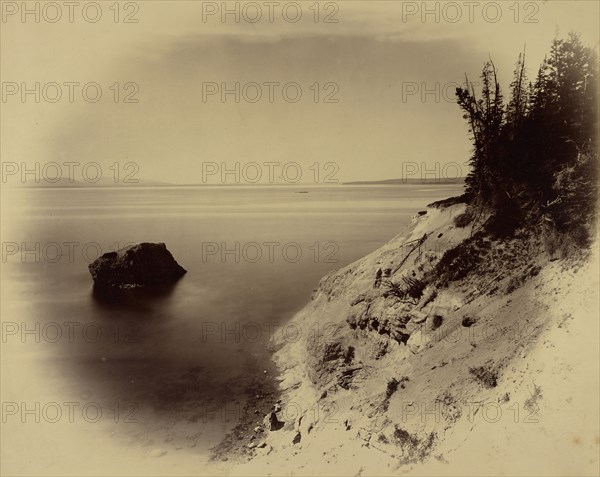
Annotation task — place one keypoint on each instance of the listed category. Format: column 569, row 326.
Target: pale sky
column 376, row 51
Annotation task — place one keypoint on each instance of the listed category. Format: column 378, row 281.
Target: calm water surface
column 169, row 359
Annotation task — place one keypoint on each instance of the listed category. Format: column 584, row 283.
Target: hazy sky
column 375, row 61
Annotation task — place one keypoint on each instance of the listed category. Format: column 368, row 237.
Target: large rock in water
column 135, row 266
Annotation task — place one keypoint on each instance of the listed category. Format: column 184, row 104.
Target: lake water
column 170, row 371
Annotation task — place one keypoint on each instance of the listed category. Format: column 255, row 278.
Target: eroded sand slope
column 492, row 369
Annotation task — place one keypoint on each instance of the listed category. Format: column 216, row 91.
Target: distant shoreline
column 458, row 180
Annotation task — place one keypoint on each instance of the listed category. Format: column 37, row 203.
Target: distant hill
column 457, row 180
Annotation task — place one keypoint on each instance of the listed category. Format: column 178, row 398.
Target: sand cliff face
column 409, row 364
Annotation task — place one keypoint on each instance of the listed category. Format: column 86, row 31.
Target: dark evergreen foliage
column 535, row 159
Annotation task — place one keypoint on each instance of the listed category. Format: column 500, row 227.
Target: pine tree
column 519, row 99
column 485, row 117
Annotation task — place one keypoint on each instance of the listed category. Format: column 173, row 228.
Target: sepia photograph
column 299, row 238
